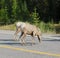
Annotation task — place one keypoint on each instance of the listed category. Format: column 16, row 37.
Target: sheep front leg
column 39, row 38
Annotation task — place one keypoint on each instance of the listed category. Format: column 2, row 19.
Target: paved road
column 48, row 48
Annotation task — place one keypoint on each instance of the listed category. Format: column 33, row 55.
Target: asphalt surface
column 10, row 48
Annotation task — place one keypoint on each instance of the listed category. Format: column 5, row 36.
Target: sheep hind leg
column 15, row 35
column 33, row 35
column 23, row 39
column 20, row 35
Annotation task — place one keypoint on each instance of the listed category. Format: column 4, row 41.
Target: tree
column 35, row 17
column 14, row 9
column 3, row 12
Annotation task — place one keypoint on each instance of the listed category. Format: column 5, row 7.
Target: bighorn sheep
column 27, row 29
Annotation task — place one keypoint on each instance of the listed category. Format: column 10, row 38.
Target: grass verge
column 45, row 27
column 7, row 27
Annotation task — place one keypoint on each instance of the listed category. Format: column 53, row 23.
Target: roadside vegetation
column 42, row 13
column 45, row 28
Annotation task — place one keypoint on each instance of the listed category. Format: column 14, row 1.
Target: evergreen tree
column 3, row 12
column 14, row 9
column 35, row 17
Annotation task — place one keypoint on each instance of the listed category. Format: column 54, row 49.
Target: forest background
column 43, row 13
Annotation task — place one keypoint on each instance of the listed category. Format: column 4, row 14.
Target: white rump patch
column 20, row 24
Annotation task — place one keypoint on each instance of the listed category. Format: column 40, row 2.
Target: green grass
column 45, row 27
column 8, row 27
column 57, row 28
